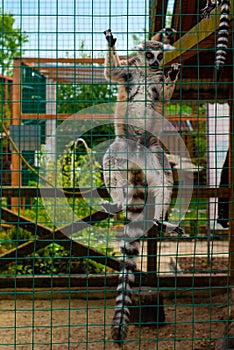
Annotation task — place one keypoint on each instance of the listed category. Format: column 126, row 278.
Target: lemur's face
column 152, row 52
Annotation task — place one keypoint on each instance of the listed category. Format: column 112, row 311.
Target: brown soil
column 217, row 264
column 191, row 323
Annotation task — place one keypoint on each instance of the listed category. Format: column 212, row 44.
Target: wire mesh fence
column 116, row 175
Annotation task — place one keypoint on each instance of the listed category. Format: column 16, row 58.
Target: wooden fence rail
column 43, row 235
column 31, row 192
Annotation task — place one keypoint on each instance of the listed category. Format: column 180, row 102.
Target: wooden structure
column 195, row 51
column 61, row 235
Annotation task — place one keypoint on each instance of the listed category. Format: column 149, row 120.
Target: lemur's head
column 168, row 35
column 165, row 35
column 151, row 52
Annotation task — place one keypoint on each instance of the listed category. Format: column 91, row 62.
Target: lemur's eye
column 160, row 57
column 149, row 55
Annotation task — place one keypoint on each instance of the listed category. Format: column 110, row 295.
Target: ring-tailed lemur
column 222, row 44
column 135, row 162
column 166, row 36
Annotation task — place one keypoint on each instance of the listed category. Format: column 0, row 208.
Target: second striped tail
column 222, row 43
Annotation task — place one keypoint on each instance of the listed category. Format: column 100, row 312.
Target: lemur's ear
column 168, row 47
column 139, row 47
column 157, row 36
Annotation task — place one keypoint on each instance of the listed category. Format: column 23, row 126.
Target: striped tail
column 130, row 252
column 222, row 44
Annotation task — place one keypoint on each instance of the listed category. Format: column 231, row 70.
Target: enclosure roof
column 69, row 70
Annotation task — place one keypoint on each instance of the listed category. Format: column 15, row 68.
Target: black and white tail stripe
column 222, row 44
column 130, row 252
column 223, row 37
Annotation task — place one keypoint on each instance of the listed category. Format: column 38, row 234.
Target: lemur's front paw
column 210, row 6
column 174, row 72
column 109, row 37
column 112, row 208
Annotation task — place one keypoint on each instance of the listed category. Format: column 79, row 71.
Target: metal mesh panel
column 60, row 251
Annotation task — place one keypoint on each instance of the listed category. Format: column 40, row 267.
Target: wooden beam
column 71, row 69
column 16, row 167
column 157, row 15
column 40, row 61
column 14, row 218
column 77, row 249
column 81, row 224
column 39, row 116
column 152, row 249
column 30, row 192
column 57, row 236
column 182, row 20
column 198, row 282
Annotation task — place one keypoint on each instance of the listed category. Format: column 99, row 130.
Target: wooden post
column 152, row 254
column 16, row 166
column 6, row 160
column 152, row 236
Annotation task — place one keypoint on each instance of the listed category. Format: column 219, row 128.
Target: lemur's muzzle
column 155, row 64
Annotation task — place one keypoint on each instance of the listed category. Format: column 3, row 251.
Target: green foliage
column 11, row 41
column 182, row 108
column 75, row 97
column 75, row 168
column 70, row 170
column 53, row 259
column 139, row 38
column 72, row 98
column 200, row 141
column 12, row 237
column 199, row 133
column 169, row 16
column 80, row 170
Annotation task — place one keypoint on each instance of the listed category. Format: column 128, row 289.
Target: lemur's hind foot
column 112, row 208
column 109, row 37
column 166, row 226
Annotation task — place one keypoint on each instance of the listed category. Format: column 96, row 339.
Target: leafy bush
column 53, row 259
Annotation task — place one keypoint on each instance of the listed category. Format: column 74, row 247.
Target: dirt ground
column 201, row 264
column 60, row 324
